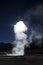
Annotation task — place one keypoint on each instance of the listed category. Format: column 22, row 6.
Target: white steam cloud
column 20, row 39
column 19, row 30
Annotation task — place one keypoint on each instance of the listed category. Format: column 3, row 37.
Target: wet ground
column 33, row 59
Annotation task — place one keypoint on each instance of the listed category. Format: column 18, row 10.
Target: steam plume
column 20, row 38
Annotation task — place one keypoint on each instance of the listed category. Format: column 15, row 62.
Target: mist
column 34, row 17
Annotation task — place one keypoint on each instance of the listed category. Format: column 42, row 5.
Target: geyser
column 20, row 39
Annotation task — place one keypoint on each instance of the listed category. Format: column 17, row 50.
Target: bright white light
column 20, row 27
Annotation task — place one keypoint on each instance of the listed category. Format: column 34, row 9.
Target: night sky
column 10, row 13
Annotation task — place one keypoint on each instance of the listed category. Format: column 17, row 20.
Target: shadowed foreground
column 34, row 59
column 33, row 55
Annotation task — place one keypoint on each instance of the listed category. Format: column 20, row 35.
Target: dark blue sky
column 10, row 13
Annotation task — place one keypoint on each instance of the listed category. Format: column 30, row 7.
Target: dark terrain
column 33, row 55
column 35, row 59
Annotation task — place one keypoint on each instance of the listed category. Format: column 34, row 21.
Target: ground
column 33, row 59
